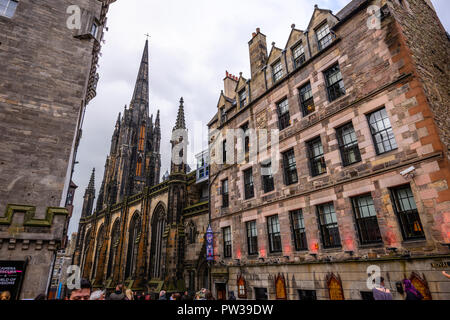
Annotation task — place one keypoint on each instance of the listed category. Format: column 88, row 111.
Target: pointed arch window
column 141, row 138
column 87, row 240
column 98, row 248
column 139, row 166
column 158, row 226
column 115, row 237
column 134, row 235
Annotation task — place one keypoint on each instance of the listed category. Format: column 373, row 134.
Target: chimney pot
column 254, row 34
column 258, row 30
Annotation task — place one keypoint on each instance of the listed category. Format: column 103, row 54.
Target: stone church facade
column 142, row 233
column 361, row 186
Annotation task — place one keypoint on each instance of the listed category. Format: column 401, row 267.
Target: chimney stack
column 258, row 52
column 229, row 84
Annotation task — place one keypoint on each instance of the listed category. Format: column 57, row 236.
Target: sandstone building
column 49, row 53
column 360, row 99
column 142, row 233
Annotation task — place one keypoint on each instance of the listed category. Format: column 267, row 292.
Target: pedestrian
column 186, row 296
column 380, row 292
column 231, row 297
column 5, row 295
column 98, row 295
column 129, row 294
column 83, row 293
column 209, row 295
column 118, row 294
column 162, row 295
column 411, row 292
column 147, row 297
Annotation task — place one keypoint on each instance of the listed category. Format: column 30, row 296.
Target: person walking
column 162, row 295
column 129, row 294
column 411, row 292
column 231, row 297
column 118, row 294
column 186, row 296
column 381, row 292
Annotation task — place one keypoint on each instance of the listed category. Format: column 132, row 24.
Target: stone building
column 49, row 53
column 357, row 179
column 142, row 233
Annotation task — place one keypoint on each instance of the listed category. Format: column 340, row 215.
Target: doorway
column 260, row 294
column 221, row 290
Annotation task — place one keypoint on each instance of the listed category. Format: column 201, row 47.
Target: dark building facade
column 360, row 178
column 49, row 51
column 143, row 233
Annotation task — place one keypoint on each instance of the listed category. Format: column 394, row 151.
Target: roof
column 349, row 8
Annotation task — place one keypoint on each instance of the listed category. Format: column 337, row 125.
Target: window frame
column 315, row 159
column 301, row 57
column 284, row 119
column 289, row 168
column 363, row 224
column 225, row 195
column 385, row 130
column 328, row 35
column 345, row 148
column 298, row 233
column 326, row 243
column 267, row 180
column 8, row 9
column 252, row 238
column 249, row 185
column 304, row 103
column 227, row 242
column 336, row 93
column 242, row 100
column 277, row 73
column 395, row 205
column 271, row 234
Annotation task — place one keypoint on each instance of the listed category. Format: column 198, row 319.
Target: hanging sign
column 209, row 244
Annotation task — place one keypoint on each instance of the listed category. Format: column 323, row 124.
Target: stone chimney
column 229, row 84
column 258, row 52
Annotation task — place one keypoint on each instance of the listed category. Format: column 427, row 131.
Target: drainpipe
column 307, row 40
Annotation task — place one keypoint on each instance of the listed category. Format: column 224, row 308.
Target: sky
column 191, row 45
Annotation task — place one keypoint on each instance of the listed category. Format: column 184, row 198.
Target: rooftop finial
column 181, row 123
column 293, row 25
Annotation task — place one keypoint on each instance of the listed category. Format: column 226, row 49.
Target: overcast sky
column 192, row 44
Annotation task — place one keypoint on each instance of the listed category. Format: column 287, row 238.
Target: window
column 298, row 54
column 252, row 237
column 227, row 242
column 133, row 244
column 382, row 134
column 224, row 151
column 348, row 144
column 242, row 98
column 324, row 37
column 334, row 82
column 8, row 8
column 246, row 141
column 283, row 114
column 316, row 158
column 94, row 29
column 267, row 177
column 277, row 71
column 298, row 230
column 225, row 193
column 328, row 226
column 248, row 184
column 306, row 100
column 273, row 227
column 366, row 219
column 290, row 167
column 308, row 295
column 406, row 210
column 223, row 115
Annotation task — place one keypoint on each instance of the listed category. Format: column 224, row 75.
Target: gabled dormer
column 297, row 50
column 242, row 93
column 224, row 106
column 319, row 29
column 276, row 67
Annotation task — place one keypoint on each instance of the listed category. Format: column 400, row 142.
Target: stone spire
column 89, row 196
column 91, row 185
column 181, row 123
column 140, row 95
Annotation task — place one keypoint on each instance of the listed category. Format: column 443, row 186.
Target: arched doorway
column 134, row 235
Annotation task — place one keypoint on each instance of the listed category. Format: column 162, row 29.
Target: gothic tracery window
column 158, row 226
column 133, row 245
column 98, row 248
column 115, row 236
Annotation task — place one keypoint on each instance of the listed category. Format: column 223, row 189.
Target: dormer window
column 8, row 8
column 242, row 98
column 298, row 53
column 223, row 115
column 277, row 71
column 324, row 37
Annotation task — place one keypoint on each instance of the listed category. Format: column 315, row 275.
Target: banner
column 12, row 274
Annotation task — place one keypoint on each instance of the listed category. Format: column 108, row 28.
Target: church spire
column 91, row 185
column 89, row 196
column 181, row 123
column 140, row 95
